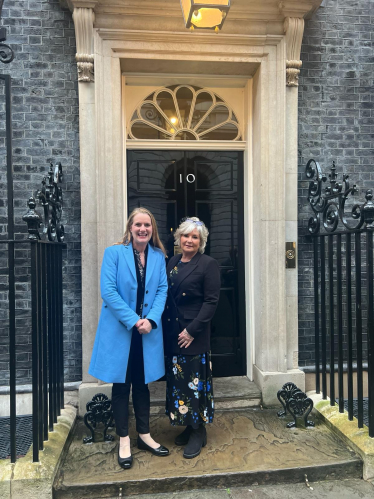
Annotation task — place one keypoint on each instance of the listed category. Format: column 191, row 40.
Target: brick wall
column 45, row 128
column 336, row 121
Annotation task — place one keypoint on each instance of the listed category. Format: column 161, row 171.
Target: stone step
column 231, row 393
column 244, row 448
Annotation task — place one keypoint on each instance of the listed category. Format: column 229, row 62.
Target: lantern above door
column 208, row 14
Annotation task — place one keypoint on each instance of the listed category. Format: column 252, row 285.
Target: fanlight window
column 184, row 112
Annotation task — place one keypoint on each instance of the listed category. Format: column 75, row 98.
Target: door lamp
column 209, row 14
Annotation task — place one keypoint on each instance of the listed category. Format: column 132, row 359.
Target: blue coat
column 118, row 285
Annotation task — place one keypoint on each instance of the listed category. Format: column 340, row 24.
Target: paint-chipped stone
column 357, row 438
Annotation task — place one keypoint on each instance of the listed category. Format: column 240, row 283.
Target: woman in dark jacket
column 193, row 292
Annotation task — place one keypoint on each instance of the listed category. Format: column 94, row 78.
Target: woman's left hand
column 185, row 339
column 144, row 326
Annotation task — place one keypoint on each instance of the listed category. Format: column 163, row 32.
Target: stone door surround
column 271, row 157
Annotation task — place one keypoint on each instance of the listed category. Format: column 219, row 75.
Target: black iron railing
column 42, row 255
column 35, row 278
column 343, row 289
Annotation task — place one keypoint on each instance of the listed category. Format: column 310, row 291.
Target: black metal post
column 360, row 391
column 316, row 314
column 323, row 318
column 61, row 327
column 43, row 248
column 331, row 311
column 339, row 299
column 40, row 346
column 51, row 402
column 349, row 325
column 54, row 333
column 11, row 281
column 35, row 350
column 369, row 245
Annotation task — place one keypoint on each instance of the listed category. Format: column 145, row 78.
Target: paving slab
column 332, row 489
column 244, row 447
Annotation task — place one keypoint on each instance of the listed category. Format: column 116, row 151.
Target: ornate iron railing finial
column 50, row 197
column 328, row 202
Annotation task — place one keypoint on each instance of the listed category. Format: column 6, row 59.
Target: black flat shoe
column 182, row 438
column 124, row 462
column 197, row 440
column 160, row 451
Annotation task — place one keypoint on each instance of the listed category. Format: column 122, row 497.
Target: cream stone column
column 275, row 222
column 294, row 28
column 83, row 21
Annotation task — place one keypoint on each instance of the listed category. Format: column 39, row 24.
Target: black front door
column 209, row 185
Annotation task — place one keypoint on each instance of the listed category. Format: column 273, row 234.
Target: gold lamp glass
column 209, row 14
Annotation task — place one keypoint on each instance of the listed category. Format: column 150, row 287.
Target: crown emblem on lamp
column 208, row 14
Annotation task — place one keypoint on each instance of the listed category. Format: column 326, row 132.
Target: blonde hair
column 187, row 226
column 155, row 239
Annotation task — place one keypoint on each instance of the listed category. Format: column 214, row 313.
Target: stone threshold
column 230, row 393
column 356, row 438
column 244, row 448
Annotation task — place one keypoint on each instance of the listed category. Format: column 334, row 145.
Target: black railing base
column 99, row 410
column 297, row 403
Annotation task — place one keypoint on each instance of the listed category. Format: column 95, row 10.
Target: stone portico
column 258, row 51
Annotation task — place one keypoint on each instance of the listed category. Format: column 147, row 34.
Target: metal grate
column 23, row 436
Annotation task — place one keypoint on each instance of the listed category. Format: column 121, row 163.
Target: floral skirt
column 189, row 389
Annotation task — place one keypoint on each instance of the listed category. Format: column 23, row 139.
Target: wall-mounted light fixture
column 209, row 14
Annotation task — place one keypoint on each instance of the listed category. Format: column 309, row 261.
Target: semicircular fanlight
column 184, row 112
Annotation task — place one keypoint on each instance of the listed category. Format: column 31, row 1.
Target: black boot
column 197, row 440
column 182, row 438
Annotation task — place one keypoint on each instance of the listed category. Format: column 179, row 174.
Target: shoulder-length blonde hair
column 155, row 239
column 188, row 225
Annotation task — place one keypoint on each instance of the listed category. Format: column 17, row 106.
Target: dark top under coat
column 191, row 303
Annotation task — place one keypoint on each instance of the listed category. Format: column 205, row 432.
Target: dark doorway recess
column 209, row 185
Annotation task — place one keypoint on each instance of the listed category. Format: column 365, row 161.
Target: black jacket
column 196, row 294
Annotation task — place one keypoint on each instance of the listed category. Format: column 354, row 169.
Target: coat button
column 183, row 294
column 169, row 320
column 176, row 319
column 146, row 291
column 145, row 317
column 146, row 304
column 167, row 306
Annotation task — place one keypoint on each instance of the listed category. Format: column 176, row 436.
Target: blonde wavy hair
column 155, row 239
column 188, row 225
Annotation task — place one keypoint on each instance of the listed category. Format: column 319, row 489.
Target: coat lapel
column 129, row 257
column 151, row 260
column 186, row 270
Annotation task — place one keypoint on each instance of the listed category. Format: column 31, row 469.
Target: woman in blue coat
column 128, row 349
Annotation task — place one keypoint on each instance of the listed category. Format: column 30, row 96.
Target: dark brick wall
column 336, row 121
column 45, row 128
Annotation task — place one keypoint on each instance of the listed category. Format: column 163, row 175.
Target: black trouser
column 140, row 392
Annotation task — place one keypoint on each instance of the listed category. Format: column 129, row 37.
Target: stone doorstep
column 244, row 448
column 34, row 480
column 231, row 393
column 356, row 438
column 213, row 481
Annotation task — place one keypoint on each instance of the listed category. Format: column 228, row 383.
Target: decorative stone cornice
column 294, row 29
column 83, row 22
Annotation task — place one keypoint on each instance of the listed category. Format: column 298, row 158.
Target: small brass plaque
column 290, row 255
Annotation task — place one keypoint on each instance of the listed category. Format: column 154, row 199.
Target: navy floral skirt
column 189, row 389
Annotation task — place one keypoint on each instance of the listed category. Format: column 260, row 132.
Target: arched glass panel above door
column 184, row 112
